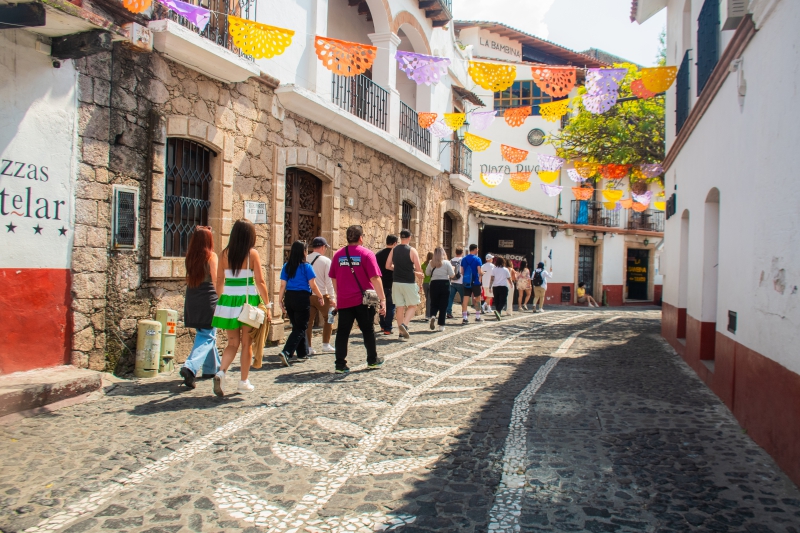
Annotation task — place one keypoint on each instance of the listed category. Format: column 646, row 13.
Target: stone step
column 23, row 391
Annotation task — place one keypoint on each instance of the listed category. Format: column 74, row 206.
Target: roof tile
column 491, row 206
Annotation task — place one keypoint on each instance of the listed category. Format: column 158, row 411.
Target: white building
column 596, row 248
column 730, row 275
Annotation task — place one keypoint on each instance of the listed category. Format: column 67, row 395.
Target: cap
column 489, row 256
column 319, row 241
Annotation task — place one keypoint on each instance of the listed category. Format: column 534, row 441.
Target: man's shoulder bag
column 369, row 297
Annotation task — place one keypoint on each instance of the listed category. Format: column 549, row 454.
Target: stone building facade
column 131, row 106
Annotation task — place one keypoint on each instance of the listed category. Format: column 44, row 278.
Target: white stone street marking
column 467, row 350
column 504, row 515
column 418, row 372
column 483, row 367
column 341, row 427
column 475, row 376
column 355, row 461
column 88, row 505
column 437, row 363
column 422, row 433
column 364, row 402
column 452, row 389
column 394, row 383
column 449, row 356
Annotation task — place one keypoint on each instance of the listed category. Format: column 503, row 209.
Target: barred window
column 521, row 94
column 186, row 202
column 125, row 217
column 406, row 216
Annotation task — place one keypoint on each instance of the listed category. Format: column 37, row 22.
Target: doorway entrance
column 637, row 273
column 586, row 268
column 447, row 234
column 303, row 208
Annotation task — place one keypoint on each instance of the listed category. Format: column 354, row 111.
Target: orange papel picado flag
column 513, row 155
column 426, row 119
column 555, row 81
column 515, row 116
column 343, row 57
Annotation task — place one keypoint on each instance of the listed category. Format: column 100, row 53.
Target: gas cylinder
column 168, row 319
column 148, row 349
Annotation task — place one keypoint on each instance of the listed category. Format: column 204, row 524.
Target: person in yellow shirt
column 585, row 298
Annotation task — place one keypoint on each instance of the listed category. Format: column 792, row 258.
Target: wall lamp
column 481, row 225
column 646, row 241
column 553, row 232
column 594, row 237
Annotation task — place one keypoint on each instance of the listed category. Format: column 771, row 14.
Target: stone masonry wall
column 128, row 104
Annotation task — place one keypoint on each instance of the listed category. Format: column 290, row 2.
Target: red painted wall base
column 35, row 318
column 763, row 395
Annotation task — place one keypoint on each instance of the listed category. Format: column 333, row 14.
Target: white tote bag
column 252, row 316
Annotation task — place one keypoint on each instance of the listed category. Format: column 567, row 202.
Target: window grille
column 521, row 94
column 125, row 217
column 707, row 42
column 682, row 93
column 405, row 219
column 186, row 202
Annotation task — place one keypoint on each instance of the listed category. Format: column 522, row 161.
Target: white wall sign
column 255, row 212
column 505, row 243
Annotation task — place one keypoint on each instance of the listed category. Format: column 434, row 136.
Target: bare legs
column 235, row 338
column 405, row 314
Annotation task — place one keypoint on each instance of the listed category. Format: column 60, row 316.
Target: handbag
column 369, row 297
column 250, row 315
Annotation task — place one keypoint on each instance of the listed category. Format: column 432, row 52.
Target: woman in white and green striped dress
column 239, row 278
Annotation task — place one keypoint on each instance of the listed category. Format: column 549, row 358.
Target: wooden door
column 303, row 208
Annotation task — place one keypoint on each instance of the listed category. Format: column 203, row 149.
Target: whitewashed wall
column 38, row 118
column 745, row 147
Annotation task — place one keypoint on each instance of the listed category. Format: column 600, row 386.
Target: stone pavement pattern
column 577, row 421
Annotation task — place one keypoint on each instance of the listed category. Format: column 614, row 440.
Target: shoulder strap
column 315, row 259
column 350, row 263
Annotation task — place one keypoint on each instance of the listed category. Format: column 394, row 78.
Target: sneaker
column 433, row 323
column 327, row 348
column 219, row 383
column 244, row 386
column 188, row 377
column 524, row 307
column 426, row 319
column 377, row 364
column 343, row 370
column 465, row 321
column 449, row 315
column 404, row 331
column 402, row 339
column 387, row 332
column 284, row 358
column 311, row 351
column 441, row 328
column 478, row 319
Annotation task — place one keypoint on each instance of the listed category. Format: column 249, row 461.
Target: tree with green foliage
column 630, row 132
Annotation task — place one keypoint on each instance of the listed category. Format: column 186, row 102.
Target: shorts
column 405, row 294
column 581, row 299
column 474, row 291
column 487, row 292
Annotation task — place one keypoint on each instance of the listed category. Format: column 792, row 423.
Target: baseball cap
column 319, row 241
column 489, row 256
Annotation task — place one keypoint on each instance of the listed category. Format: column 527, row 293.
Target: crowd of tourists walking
column 229, row 292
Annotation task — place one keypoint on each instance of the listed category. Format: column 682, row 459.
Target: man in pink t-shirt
column 351, row 277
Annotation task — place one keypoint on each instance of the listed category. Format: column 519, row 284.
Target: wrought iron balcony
column 439, row 11
column 361, row 97
column 411, row 132
column 217, row 29
column 592, row 213
column 461, row 159
column 647, row 220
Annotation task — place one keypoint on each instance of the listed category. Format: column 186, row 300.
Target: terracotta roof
column 490, row 206
column 570, row 57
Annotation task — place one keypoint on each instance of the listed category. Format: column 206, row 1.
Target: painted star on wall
column 63, row 231
column 11, row 227
column 37, row 230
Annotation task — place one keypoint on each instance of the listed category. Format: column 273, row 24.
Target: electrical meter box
column 169, row 322
column 148, row 349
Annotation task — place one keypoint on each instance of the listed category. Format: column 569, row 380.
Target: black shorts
column 475, row 291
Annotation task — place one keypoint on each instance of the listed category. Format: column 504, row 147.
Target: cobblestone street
column 564, row 421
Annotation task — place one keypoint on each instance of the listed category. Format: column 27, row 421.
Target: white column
column 384, row 73
column 319, row 77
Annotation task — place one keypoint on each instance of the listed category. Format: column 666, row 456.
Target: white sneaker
column 441, row 328
column 244, row 386
column 327, row 348
column 219, row 383
column 311, row 351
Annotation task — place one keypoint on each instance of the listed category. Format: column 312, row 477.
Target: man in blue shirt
column 471, row 274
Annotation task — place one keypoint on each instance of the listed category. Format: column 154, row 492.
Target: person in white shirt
column 486, row 278
column 539, row 282
column 498, row 283
column 321, row 266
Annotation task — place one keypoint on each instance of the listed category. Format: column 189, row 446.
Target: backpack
column 538, row 280
column 457, row 267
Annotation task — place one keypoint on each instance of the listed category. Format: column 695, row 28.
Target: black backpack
column 538, row 280
column 457, row 268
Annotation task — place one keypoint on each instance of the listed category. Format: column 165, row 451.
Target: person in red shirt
column 354, row 270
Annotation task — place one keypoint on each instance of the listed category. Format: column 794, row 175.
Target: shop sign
column 505, row 243
column 255, row 212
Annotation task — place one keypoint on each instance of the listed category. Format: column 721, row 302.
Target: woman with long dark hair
column 198, row 307
column 499, row 285
column 297, row 284
column 239, row 279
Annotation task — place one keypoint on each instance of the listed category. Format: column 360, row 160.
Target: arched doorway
column 303, row 208
column 447, row 234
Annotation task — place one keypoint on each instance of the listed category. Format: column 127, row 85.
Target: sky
column 575, row 24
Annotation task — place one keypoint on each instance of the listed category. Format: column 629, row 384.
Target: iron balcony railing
column 462, row 159
column 411, row 132
column 361, row 97
column 682, row 93
column 217, row 29
column 647, row 220
column 592, row 213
